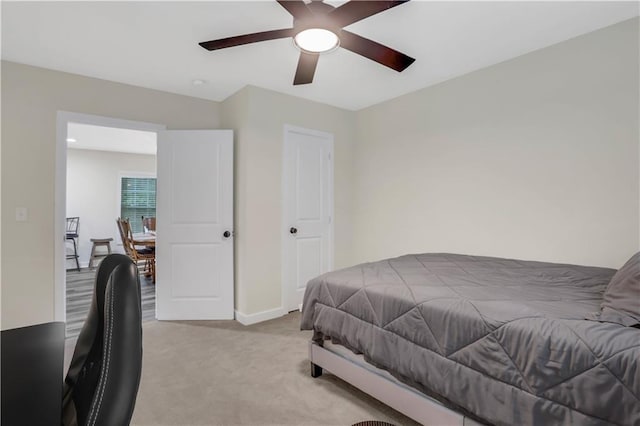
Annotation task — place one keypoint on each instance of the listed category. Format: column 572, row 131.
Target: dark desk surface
column 32, row 376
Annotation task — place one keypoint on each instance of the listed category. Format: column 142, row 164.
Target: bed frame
column 381, row 385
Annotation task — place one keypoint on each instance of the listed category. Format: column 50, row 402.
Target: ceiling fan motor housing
column 325, row 24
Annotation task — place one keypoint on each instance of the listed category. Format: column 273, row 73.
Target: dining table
column 146, row 239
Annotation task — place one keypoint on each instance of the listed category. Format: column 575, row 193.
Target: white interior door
column 194, row 241
column 307, row 210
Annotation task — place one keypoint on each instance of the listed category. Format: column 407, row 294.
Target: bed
column 492, row 340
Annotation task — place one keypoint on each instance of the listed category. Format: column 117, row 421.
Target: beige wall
column 534, row 158
column 235, row 115
column 258, row 194
column 31, row 98
column 34, row 95
column 93, row 184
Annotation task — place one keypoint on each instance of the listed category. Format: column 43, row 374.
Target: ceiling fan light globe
column 316, row 40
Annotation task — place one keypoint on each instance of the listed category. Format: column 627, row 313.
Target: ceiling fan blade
column 375, row 51
column 306, row 68
column 356, row 10
column 297, row 8
column 246, row 39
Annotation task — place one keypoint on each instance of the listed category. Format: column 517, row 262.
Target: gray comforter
column 505, row 340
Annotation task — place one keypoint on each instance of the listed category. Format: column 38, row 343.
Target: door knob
column 293, row 230
column 226, row 234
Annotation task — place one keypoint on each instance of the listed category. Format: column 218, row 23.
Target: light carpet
column 224, row 373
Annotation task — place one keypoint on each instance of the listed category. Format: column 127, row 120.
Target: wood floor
column 80, row 292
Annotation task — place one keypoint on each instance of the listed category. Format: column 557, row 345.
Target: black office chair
column 104, row 375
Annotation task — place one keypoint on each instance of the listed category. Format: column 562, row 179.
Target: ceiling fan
column 318, row 28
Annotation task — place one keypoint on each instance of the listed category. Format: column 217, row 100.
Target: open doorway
column 109, row 173
column 195, row 219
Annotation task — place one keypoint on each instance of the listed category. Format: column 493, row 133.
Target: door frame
column 63, row 119
column 288, row 128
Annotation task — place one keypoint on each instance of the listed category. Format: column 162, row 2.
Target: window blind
column 137, row 199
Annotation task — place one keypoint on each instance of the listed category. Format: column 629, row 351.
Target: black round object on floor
column 373, row 423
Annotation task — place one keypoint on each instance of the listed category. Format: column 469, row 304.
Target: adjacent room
column 320, row 212
column 111, row 177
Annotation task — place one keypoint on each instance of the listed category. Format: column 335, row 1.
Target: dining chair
column 148, row 224
column 72, row 234
column 137, row 254
column 123, row 238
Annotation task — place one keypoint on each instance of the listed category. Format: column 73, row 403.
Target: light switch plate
column 21, row 214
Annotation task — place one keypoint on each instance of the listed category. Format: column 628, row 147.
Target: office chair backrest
column 104, row 375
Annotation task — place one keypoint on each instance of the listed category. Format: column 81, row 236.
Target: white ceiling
column 154, row 44
column 101, row 138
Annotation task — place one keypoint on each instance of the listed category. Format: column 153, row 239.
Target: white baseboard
column 248, row 319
